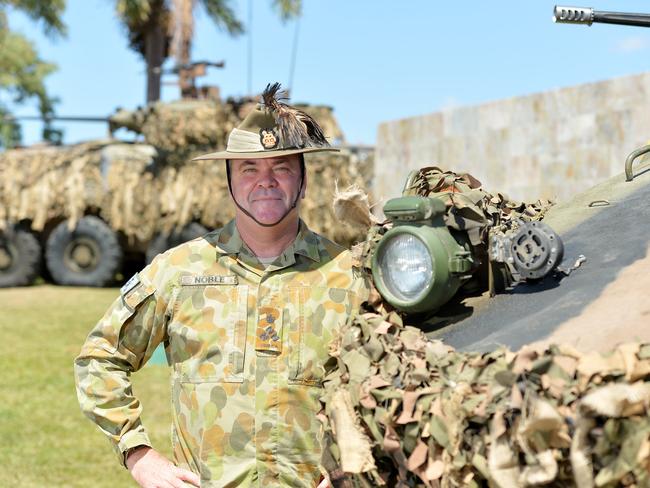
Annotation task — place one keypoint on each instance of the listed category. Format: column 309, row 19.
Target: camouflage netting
column 402, row 410
column 469, row 207
column 39, row 184
column 183, row 129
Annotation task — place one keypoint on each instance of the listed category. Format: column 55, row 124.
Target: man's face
column 266, row 188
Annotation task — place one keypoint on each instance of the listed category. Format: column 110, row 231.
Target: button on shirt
column 247, row 344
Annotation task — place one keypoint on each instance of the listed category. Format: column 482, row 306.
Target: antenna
column 294, row 54
column 250, row 47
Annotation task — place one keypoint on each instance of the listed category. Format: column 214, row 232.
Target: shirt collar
column 227, row 240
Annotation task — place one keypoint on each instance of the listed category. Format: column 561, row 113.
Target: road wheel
column 20, row 257
column 90, row 255
column 161, row 242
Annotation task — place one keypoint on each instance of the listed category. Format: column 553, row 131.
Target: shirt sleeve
column 121, row 343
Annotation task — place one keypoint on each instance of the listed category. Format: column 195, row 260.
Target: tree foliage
column 288, row 9
column 175, row 19
column 46, row 11
column 22, row 71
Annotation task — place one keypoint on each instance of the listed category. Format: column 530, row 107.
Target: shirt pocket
column 207, row 333
column 312, row 318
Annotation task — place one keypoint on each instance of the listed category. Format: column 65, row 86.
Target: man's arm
column 121, row 343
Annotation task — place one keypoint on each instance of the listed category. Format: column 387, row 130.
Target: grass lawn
column 44, row 438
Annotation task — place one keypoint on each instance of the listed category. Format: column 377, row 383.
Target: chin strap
column 246, row 212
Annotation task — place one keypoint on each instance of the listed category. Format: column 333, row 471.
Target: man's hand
column 153, row 470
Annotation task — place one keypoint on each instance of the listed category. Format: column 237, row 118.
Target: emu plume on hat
column 271, row 130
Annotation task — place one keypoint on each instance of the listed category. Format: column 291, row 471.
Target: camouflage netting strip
column 324, row 171
column 181, row 125
column 403, row 410
column 469, row 207
column 39, row 184
column 131, row 202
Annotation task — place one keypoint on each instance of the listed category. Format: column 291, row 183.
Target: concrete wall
column 549, row 144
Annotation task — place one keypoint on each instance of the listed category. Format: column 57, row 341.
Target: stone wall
column 549, row 144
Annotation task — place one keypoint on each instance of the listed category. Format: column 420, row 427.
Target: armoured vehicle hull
column 598, row 305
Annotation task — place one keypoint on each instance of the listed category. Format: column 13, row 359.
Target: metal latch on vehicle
column 629, row 175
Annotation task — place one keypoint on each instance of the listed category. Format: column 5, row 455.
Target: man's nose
column 267, row 180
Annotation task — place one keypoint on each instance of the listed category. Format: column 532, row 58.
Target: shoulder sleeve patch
column 134, row 292
column 130, row 285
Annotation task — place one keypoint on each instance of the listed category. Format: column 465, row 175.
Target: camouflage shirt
column 247, row 345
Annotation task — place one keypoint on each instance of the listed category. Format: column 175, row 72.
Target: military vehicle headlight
column 405, row 266
column 418, row 265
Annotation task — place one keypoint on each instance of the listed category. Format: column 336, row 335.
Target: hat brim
column 262, row 154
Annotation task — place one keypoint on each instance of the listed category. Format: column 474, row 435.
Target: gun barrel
column 573, row 15
column 585, row 15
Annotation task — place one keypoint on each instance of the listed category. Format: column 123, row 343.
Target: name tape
column 209, row 280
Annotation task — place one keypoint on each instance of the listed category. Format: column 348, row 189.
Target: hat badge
column 269, row 138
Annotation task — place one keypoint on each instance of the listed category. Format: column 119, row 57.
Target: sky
column 372, row 60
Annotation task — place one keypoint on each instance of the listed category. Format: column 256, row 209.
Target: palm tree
column 158, row 29
column 22, row 71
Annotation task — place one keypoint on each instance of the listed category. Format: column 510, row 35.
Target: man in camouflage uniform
column 246, row 314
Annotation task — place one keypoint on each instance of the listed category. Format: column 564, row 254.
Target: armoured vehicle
column 85, row 211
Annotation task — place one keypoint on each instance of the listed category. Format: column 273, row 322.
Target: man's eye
column 282, row 169
column 248, row 170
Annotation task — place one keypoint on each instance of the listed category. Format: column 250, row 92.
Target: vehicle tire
column 90, row 255
column 161, row 242
column 20, row 257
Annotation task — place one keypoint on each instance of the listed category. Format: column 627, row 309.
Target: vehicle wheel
column 20, row 257
column 161, row 242
column 90, row 255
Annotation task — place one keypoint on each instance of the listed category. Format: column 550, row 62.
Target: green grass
column 44, row 438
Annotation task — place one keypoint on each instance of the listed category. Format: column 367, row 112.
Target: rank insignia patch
column 269, row 330
column 269, row 138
